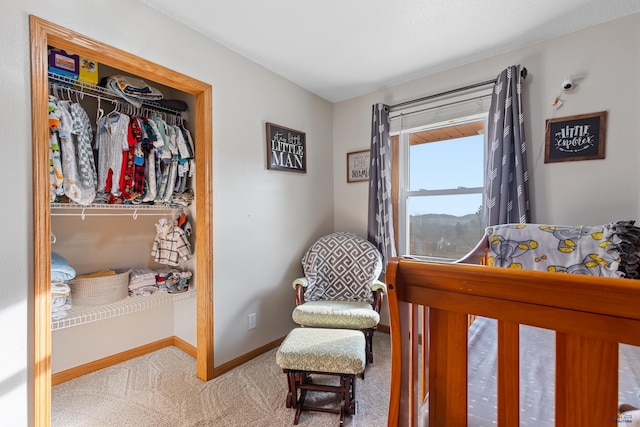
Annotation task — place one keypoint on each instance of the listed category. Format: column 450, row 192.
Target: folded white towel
column 60, row 308
column 60, row 289
column 57, row 315
column 64, row 307
column 57, row 302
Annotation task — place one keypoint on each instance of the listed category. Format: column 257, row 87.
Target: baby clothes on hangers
column 111, row 141
column 181, row 143
column 171, row 245
column 84, row 138
column 72, row 183
column 127, row 167
column 55, row 168
column 151, row 188
column 55, row 159
column 156, row 169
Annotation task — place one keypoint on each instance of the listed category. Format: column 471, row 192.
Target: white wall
column 263, row 220
column 573, row 193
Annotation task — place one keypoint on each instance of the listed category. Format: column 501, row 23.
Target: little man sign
column 286, row 149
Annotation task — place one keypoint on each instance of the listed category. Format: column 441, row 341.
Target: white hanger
column 100, row 111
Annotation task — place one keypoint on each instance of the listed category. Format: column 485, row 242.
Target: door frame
column 42, row 35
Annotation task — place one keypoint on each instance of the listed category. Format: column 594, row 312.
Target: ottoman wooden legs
column 333, row 352
column 300, row 383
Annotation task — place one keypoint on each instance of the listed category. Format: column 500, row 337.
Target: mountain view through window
column 444, row 195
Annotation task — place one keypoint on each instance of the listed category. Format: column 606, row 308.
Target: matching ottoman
column 337, row 352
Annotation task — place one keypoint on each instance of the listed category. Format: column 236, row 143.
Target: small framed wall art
column 580, row 137
column 358, row 166
column 286, row 149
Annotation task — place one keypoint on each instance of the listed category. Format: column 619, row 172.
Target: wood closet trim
column 43, row 34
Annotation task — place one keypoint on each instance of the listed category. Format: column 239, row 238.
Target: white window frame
column 403, row 164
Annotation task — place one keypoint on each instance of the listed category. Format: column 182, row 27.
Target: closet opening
column 44, row 35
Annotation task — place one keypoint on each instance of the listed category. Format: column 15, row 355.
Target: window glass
column 441, row 182
column 447, row 164
column 445, row 227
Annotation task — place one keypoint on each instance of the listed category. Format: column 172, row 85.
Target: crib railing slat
column 447, row 368
column 508, row 374
column 413, row 387
column 586, row 386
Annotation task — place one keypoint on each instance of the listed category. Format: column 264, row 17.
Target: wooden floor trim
column 105, row 362
column 185, row 346
column 226, row 367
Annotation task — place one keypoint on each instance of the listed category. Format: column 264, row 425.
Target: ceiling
column 340, row 49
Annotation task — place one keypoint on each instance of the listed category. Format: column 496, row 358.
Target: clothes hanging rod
column 523, row 73
column 82, row 88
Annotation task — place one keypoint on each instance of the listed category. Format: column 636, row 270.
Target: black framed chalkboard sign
column 286, row 149
column 580, row 137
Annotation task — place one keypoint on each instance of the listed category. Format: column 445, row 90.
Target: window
column 440, row 180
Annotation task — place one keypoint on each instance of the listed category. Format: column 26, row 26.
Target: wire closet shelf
column 74, row 209
column 80, row 88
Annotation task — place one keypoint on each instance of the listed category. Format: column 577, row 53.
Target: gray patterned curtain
column 507, row 182
column 380, row 221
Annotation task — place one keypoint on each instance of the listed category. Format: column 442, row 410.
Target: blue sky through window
column 442, row 165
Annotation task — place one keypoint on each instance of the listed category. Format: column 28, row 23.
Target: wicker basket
column 100, row 290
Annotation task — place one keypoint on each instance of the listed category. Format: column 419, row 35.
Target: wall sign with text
column 578, row 137
column 286, row 149
column 358, row 166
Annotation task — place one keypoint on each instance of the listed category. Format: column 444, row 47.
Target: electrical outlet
column 252, row 321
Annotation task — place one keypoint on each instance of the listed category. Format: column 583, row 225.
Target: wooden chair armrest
column 378, row 297
column 379, row 285
column 302, row 281
column 300, row 285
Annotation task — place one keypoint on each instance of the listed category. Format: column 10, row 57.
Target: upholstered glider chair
column 341, row 289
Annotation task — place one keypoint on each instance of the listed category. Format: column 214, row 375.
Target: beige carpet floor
column 161, row 389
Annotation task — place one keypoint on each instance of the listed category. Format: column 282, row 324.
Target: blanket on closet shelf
column 142, row 281
column 60, row 268
column 102, row 273
column 132, row 90
column 60, row 300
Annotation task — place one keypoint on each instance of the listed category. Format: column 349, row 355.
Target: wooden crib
column 590, row 315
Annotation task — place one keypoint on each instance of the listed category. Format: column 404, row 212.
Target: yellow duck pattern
column 588, row 250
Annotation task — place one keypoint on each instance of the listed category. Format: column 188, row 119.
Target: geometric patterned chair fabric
column 341, row 289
